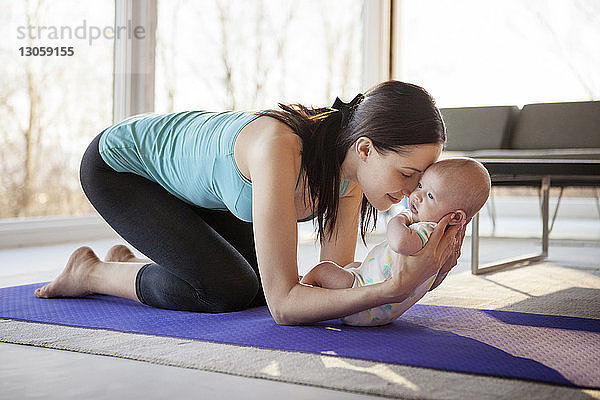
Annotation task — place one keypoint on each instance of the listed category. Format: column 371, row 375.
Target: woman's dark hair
column 392, row 114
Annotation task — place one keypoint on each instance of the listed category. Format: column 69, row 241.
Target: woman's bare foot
column 119, row 253
column 74, row 280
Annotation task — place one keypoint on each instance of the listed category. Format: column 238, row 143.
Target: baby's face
column 434, row 197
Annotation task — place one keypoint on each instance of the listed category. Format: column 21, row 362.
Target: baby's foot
column 119, row 253
column 75, row 278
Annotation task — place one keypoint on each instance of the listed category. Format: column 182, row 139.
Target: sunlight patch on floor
column 380, row 370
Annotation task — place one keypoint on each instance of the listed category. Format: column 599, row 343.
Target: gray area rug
column 562, row 291
column 326, row 370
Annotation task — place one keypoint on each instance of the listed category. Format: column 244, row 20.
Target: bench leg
column 476, row 269
column 491, row 207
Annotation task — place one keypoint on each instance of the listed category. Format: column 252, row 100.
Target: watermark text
column 83, row 32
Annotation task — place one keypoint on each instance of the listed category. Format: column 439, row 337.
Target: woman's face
column 385, row 179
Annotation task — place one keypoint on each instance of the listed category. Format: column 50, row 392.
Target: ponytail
column 322, row 156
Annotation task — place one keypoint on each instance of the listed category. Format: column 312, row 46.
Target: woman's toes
column 41, row 292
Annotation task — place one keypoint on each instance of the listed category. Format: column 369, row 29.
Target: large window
column 253, row 54
column 505, row 52
column 51, row 105
column 209, row 55
column 227, row 54
column 508, row 52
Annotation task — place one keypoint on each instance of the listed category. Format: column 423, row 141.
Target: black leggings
column 203, row 260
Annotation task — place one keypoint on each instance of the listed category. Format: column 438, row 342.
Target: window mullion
column 134, row 57
column 376, row 42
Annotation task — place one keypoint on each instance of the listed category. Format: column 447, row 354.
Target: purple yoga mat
column 545, row 348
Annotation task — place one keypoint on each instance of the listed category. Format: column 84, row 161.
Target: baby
column 458, row 185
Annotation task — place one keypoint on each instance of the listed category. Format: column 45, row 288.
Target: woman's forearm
column 303, row 304
column 306, row 305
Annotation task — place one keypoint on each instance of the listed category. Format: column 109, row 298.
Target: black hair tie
column 347, row 109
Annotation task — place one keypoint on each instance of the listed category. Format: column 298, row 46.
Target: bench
column 542, row 145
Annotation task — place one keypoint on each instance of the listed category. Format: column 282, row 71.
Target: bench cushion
column 558, row 126
column 477, row 128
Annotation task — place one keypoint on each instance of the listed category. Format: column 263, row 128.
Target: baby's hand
column 401, row 238
column 402, row 218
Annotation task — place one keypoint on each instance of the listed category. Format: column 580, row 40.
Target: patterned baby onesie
column 377, row 267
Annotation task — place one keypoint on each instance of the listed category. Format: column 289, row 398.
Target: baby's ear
column 459, row 216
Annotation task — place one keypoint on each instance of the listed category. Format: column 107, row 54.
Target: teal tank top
column 188, row 153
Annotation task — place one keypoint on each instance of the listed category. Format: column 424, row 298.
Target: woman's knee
column 236, row 296
column 158, row 288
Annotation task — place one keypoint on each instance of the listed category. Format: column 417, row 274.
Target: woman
column 213, row 199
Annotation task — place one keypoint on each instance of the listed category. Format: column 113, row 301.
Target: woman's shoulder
column 275, row 127
column 268, row 134
column 266, row 144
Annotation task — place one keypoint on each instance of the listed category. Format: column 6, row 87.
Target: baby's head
column 460, row 185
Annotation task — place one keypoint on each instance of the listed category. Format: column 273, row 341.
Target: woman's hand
column 452, row 260
column 437, row 253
